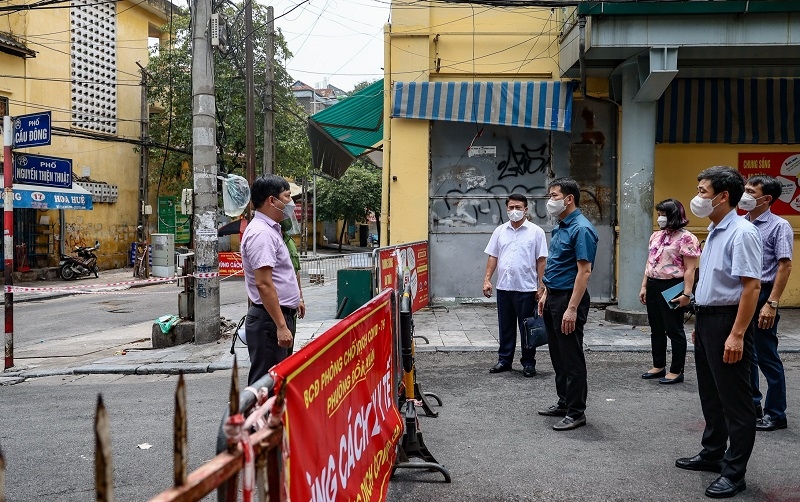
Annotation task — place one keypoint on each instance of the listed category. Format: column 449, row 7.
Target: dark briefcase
column 535, row 334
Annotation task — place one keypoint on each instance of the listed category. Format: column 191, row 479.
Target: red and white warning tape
column 96, row 287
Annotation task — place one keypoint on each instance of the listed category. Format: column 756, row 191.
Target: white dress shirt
column 516, row 251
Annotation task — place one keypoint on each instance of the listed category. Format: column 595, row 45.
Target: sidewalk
column 452, row 328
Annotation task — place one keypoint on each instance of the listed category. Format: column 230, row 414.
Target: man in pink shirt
column 269, row 277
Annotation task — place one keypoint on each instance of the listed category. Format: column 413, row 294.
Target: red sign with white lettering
column 230, row 264
column 785, row 167
column 341, row 421
column 412, row 261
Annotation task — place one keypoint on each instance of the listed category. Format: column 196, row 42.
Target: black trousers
column 665, row 323
column 566, row 351
column 725, row 394
column 512, row 309
column 262, row 342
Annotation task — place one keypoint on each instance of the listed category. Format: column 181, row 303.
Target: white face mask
column 748, row 202
column 516, row 215
column 288, row 208
column 662, row 222
column 555, row 207
column 702, row 207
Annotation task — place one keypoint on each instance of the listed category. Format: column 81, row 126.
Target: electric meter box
column 163, row 255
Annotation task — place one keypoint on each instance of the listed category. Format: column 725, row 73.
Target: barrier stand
column 412, row 445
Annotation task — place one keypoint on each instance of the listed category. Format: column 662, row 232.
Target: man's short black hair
column 676, row 215
column 266, row 186
column 568, row 186
column 517, row 197
column 724, row 179
column 768, row 184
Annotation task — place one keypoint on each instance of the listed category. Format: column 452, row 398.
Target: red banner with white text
column 230, row 264
column 341, row 421
column 785, row 167
column 412, row 261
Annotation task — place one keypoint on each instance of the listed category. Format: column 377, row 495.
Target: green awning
column 346, row 130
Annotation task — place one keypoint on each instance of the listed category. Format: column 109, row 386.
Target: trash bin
column 353, row 289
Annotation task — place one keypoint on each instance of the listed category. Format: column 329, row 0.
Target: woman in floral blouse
column 672, row 260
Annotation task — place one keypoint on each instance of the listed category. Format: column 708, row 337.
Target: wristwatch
column 773, row 303
column 690, row 296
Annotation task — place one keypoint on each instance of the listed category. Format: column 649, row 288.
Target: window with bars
column 93, row 55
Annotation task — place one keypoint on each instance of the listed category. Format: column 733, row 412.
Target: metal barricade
column 319, row 269
column 221, row 473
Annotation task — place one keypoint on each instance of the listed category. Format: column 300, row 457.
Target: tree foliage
column 352, row 197
column 170, row 90
column 363, row 85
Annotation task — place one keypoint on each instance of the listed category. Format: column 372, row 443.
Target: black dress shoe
column 499, row 368
column 669, row 381
column 553, row 411
column 529, row 371
column 698, row 463
column 657, row 374
column 569, row 423
column 723, row 487
column 770, row 424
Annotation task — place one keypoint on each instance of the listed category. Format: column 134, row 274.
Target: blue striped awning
column 536, row 105
column 728, row 110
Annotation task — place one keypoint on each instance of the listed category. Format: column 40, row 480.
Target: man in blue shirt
column 565, row 302
column 726, row 297
column 777, row 238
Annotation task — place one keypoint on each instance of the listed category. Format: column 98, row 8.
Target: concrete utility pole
column 204, row 164
column 269, row 104
column 144, row 166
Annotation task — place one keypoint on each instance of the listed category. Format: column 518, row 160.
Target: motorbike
column 85, row 263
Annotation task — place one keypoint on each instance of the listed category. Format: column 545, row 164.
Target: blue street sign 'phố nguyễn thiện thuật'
column 43, row 171
column 32, row 130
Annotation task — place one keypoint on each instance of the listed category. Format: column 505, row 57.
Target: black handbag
column 535, row 334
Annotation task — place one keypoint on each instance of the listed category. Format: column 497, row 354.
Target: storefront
column 489, row 140
column 40, row 222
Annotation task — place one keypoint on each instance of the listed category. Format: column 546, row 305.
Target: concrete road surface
column 488, row 435
column 498, row 448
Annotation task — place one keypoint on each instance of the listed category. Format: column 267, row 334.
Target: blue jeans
column 766, row 358
column 512, row 309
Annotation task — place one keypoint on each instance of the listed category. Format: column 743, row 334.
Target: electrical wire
column 38, row 106
column 169, row 114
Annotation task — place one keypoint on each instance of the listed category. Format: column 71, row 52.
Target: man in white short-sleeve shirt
column 517, row 250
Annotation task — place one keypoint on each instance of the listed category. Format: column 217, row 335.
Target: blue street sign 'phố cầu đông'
column 32, row 130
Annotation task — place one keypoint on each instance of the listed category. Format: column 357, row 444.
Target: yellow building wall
column 449, row 43
column 47, row 87
column 676, row 170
